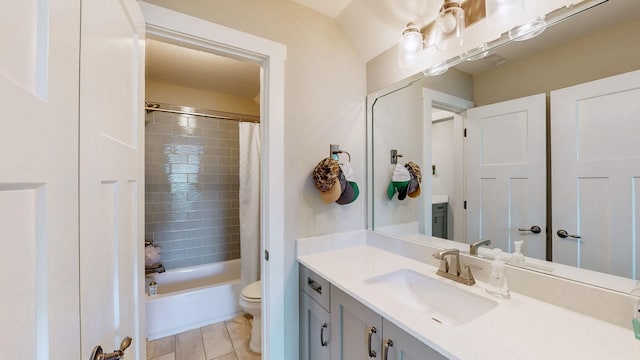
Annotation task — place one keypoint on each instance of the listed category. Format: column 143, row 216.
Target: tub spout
column 155, row 268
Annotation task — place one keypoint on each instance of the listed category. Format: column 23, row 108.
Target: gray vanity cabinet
column 315, row 319
column 402, row 346
column 357, row 329
column 360, row 333
column 439, row 220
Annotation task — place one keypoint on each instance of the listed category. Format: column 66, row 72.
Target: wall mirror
column 523, row 88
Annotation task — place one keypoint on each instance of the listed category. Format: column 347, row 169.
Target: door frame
column 442, row 101
column 184, row 30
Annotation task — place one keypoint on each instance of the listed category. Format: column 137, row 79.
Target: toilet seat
column 253, row 292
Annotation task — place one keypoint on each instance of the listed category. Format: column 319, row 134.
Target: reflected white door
column 111, row 175
column 506, row 173
column 38, row 179
column 596, row 174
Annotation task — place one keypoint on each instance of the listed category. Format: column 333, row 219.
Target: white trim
column 193, row 32
column 442, row 101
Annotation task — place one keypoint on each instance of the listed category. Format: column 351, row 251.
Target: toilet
column 251, row 302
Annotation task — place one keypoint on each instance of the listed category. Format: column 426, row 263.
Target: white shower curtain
column 249, row 202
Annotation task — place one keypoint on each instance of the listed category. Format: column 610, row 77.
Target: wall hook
column 395, row 156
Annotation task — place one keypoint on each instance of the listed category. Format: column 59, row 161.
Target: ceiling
column 362, row 21
column 180, row 66
column 330, row 8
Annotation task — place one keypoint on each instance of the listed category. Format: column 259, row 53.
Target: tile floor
column 227, row 340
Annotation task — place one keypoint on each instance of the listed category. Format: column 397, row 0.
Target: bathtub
column 192, row 297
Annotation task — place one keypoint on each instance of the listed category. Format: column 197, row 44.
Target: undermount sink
column 443, row 302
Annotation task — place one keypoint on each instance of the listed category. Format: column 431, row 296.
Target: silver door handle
column 385, row 351
column 323, row 342
column 564, row 234
column 98, row 354
column 534, row 229
column 372, row 331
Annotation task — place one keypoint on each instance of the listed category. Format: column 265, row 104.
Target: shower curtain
column 249, row 202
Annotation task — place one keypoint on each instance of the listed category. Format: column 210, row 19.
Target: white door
column 112, row 175
column 39, row 179
column 596, row 174
column 506, row 174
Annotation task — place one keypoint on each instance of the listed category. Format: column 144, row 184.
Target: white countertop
column 439, row 199
column 518, row 328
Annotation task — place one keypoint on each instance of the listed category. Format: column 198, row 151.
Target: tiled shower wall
column 191, row 178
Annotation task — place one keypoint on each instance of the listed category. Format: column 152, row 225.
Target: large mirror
column 514, row 103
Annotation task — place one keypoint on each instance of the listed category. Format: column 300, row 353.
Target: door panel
column 38, row 179
column 404, row 346
column 353, row 324
column 506, row 173
column 111, row 175
column 595, row 171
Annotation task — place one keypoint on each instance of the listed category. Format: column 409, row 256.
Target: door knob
column 534, row 229
column 564, row 234
column 98, row 354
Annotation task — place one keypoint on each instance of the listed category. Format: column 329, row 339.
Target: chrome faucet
column 452, row 270
column 473, row 248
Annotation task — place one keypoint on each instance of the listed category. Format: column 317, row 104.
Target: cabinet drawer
column 315, row 286
column 439, row 207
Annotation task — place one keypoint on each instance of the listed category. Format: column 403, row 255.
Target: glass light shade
column 503, row 12
column 410, row 47
column 529, row 30
column 450, row 26
column 436, row 70
column 476, row 53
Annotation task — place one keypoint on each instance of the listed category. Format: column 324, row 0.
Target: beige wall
column 177, row 95
column 589, row 58
column 324, row 104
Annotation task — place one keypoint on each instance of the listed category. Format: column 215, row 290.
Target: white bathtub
column 192, row 297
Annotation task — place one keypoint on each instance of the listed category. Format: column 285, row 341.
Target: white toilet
column 251, row 302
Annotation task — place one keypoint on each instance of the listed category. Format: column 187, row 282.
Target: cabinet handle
column 385, row 352
column 323, row 342
column 314, row 285
column 371, row 332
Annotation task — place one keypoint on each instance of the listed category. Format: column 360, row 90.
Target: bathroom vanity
column 380, row 294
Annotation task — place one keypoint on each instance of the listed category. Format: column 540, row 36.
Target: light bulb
column 450, row 25
column 447, row 22
column 411, row 42
column 410, row 47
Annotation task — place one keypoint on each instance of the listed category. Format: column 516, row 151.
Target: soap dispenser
column 635, row 319
column 498, row 280
column 517, row 258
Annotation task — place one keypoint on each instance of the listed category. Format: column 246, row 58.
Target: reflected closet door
column 596, row 174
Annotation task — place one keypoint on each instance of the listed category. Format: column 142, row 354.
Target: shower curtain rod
column 150, row 107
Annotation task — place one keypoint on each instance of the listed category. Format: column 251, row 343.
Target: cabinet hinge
column 465, row 132
column 266, row 255
column 465, row 204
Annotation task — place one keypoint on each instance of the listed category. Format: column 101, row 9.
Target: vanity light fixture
column 502, row 13
column 450, row 26
column 448, row 31
column 529, row 30
column 477, row 53
column 410, row 46
column 436, row 70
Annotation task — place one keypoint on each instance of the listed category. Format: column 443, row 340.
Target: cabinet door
column 402, row 346
column 357, row 330
column 315, row 326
